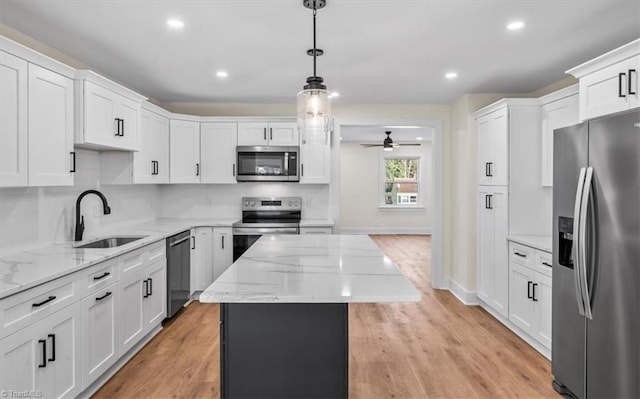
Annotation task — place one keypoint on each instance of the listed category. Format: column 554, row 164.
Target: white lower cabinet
column 155, row 304
column 222, row 250
column 131, row 292
column 99, row 333
column 201, row 258
column 44, row 357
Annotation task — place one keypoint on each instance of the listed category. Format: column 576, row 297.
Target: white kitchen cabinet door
column 218, row 143
column 521, row 305
column 315, row 163
column 155, row 304
column 13, row 121
column 129, row 112
column 45, row 356
column 201, row 258
column 543, row 291
column 284, row 134
column 222, row 250
column 493, row 148
column 184, row 151
column 253, row 134
column 51, row 156
column 555, row 115
column 99, row 333
column 484, row 149
column 131, row 294
column 151, row 163
column 485, row 248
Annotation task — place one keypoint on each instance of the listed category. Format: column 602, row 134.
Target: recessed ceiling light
column 222, row 74
column 451, row 75
column 515, row 25
column 175, row 23
column 334, row 94
column 419, row 138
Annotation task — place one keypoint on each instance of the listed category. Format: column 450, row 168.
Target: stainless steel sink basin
column 110, row 242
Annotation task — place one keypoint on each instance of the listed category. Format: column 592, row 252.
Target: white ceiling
column 376, row 51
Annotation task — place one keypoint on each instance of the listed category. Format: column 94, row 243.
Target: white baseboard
column 385, row 230
column 465, row 296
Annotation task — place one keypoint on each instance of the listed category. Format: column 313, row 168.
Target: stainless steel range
column 260, row 215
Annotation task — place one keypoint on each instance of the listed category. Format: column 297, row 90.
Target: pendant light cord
column 314, row 38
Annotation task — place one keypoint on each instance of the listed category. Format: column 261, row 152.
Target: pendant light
column 314, row 109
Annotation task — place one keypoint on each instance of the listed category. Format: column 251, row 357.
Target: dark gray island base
column 284, row 350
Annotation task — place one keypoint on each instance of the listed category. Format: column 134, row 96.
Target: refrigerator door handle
column 577, row 278
column 584, row 208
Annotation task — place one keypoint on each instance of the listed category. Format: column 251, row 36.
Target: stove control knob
column 290, row 203
column 297, row 203
column 252, row 203
column 246, row 203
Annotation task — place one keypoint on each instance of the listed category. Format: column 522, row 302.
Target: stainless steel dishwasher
column 178, row 272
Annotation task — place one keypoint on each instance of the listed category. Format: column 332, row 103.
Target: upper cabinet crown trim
column 560, row 94
column 156, row 109
column 614, row 56
column 85, row 74
column 34, row 57
column 507, row 102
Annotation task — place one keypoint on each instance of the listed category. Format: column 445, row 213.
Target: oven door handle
column 265, row 230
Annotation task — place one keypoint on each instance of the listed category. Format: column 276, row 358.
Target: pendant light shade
column 314, row 107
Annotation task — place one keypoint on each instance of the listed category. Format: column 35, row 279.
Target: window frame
column 382, row 177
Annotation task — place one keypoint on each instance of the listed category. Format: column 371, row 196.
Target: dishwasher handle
column 180, row 241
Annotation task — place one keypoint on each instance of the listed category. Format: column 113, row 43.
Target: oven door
column 242, row 242
column 267, row 163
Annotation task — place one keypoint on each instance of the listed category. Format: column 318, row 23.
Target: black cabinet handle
column 197, row 169
column 520, row 255
column 117, row 126
column 265, row 134
column 620, row 75
column 547, row 264
column 51, row 298
column 73, row 162
column 486, row 168
column 150, row 286
column 153, row 168
column 270, row 133
column 106, row 295
column 157, row 167
column 146, row 288
column 222, row 241
column 44, row 352
column 193, row 242
column 53, row 347
column 103, row 275
column 301, row 169
column 234, row 169
column 488, row 201
column 122, row 130
column 490, row 164
column 630, row 82
column 529, row 284
column 534, row 292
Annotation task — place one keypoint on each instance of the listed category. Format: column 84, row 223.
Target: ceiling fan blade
column 407, row 145
column 371, row 145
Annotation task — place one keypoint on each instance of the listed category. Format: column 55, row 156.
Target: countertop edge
column 540, row 242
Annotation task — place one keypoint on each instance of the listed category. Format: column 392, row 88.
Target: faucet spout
column 80, row 219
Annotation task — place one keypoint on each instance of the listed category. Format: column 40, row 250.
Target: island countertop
column 312, row 269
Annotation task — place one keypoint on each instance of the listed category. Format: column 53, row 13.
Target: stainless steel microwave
column 272, row 163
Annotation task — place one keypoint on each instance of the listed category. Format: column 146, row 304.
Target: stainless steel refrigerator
column 596, row 258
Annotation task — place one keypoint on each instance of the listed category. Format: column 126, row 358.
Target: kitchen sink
column 110, row 242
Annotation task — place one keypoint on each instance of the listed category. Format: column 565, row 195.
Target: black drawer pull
column 51, row 298
column 150, row 286
column 630, row 82
column 534, row 292
column 529, row 283
column 72, row 169
column 103, row 275
column 547, row 264
column 490, row 165
column 146, row 288
column 44, row 352
column 197, row 169
column 107, row 294
column 520, row 255
column 53, row 347
column 620, row 75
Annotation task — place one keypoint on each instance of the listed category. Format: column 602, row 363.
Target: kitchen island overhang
column 284, row 313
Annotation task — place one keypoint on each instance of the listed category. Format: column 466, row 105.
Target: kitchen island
column 284, row 312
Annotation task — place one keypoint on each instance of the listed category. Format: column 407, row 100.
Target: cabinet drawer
column 521, row 254
column 316, row 230
column 21, row 310
column 156, row 251
column 97, row 277
column 544, row 262
column 132, row 261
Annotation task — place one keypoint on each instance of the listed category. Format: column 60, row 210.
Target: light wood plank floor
column 438, row 348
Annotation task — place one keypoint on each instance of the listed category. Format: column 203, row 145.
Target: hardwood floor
column 438, row 348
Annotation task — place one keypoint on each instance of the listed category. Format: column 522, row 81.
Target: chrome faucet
column 80, row 219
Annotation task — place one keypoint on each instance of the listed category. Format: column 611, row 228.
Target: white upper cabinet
column 493, row 162
column 184, row 151
column 609, row 83
column 315, row 162
column 559, row 109
column 218, row 143
column 107, row 114
column 36, row 117
column 268, row 133
column 13, row 121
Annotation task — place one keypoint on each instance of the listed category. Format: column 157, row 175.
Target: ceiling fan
column 388, row 144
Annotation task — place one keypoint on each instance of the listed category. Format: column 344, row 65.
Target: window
column 401, row 181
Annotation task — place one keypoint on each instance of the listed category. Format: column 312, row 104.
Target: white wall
column 224, row 201
column 360, row 191
column 39, row 216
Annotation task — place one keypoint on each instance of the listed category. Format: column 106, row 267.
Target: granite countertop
column 27, row 269
column 312, row 268
column 542, row 243
column 316, row 223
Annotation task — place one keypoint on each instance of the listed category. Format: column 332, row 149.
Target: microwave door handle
column 286, row 164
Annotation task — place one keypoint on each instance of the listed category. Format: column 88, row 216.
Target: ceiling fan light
column 387, row 148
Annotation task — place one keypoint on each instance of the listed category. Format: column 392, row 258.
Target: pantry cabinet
column 493, row 162
column 268, row 133
column 609, row 83
column 184, row 151
column 36, row 117
column 218, row 141
column 107, row 114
